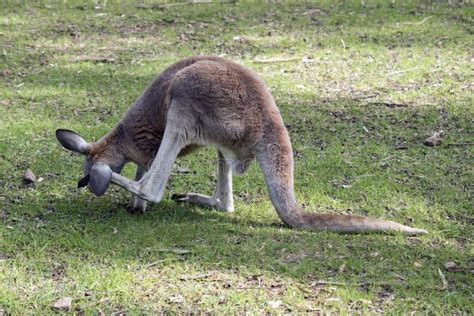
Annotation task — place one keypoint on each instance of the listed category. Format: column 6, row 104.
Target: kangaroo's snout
column 83, row 182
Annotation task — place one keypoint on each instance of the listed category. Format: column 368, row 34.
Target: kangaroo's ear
column 72, row 141
column 100, row 177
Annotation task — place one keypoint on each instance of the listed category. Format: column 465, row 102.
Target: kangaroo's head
column 99, row 163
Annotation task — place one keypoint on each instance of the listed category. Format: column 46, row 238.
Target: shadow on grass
column 101, row 231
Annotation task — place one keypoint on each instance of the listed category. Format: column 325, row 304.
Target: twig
column 156, row 263
column 343, row 44
column 370, row 96
column 169, row 5
column 87, row 109
column 195, row 277
column 95, row 303
column 459, row 144
column 443, row 280
column 357, row 98
column 400, row 71
column 323, row 282
column 390, row 104
column 418, row 23
column 276, row 60
column 93, row 59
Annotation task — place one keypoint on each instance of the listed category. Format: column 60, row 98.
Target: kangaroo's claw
column 133, row 187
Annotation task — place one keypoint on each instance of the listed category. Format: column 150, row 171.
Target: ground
column 361, row 85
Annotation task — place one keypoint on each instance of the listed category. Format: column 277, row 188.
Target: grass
column 363, row 79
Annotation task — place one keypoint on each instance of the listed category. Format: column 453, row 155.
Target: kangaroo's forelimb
column 136, row 204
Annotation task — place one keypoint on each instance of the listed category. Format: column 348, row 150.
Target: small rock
column 275, row 304
column 451, row 266
column 434, row 140
column 63, row 304
column 29, row 177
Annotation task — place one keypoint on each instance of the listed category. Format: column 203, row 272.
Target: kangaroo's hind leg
column 222, row 198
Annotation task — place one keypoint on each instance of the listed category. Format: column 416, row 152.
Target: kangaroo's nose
column 83, row 182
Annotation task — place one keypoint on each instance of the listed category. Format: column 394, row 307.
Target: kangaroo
column 206, row 101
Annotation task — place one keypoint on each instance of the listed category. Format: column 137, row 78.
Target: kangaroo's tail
column 344, row 223
column 276, row 161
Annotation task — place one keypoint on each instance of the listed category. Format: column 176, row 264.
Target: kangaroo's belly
column 188, row 149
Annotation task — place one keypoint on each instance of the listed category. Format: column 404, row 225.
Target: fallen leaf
column 6, row 72
column 344, row 183
column 57, row 272
column 342, row 268
column 275, row 304
column 4, row 256
column 176, row 299
column 240, row 39
column 63, row 304
column 401, row 146
column 180, row 169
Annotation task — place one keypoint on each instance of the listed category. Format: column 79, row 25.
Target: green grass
column 362, row 79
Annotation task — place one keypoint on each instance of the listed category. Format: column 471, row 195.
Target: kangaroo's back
column 151, row 103
column 143, row 125
column 229, row 103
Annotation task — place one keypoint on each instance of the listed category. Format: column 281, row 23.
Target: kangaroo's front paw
column 135, row 210
column 127, row 184
column 136, row 205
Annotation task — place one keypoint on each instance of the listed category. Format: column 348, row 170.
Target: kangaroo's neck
column 109, row 149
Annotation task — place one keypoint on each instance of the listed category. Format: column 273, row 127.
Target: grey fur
column 209, row 101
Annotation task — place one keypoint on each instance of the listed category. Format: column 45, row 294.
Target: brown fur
column 207, row 100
